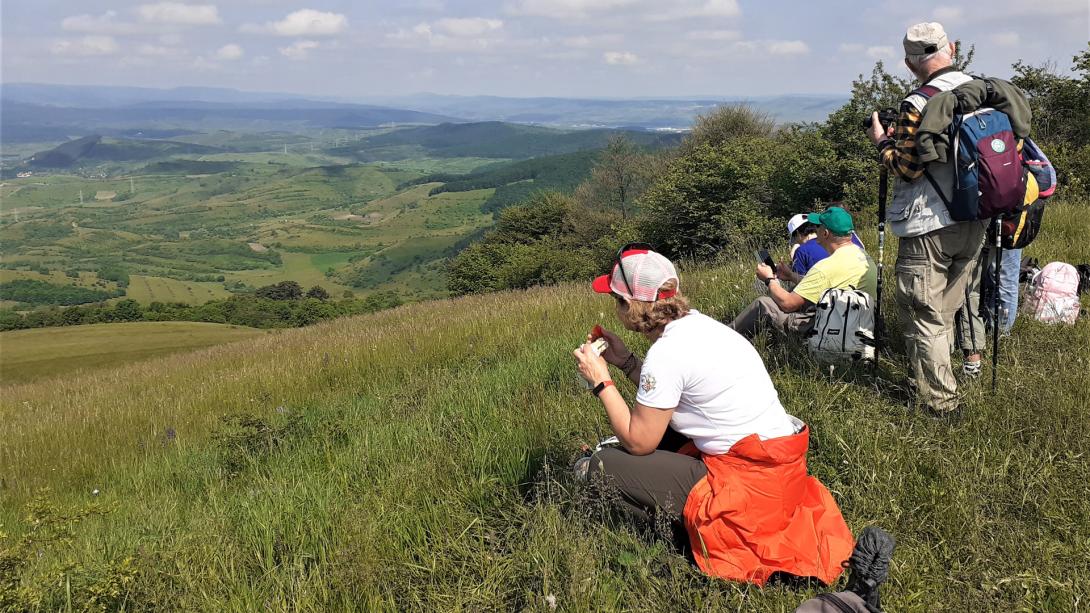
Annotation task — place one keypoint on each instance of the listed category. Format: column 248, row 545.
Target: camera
column 886, row 117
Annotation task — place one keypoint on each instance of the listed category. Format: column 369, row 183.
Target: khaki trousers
column 764, row 312
column 933, row 271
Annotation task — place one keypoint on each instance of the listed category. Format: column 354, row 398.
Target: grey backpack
column 843, row 330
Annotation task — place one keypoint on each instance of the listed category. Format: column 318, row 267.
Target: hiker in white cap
column 806, row 250
column 706, row 419
column 936, row 253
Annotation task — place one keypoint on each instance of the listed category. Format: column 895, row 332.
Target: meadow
column 416, row 458
column 28, row 355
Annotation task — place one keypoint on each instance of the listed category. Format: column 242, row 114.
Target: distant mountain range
column 38, row 112
column 677, row 114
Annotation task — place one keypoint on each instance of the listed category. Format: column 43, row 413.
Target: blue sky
column 599, row 48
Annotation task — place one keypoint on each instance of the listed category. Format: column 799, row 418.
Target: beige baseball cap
column 925, row 38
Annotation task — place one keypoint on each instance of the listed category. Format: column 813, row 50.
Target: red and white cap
column 646, row 272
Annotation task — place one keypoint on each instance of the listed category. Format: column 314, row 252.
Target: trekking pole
column 998, row 229
column 883, row 190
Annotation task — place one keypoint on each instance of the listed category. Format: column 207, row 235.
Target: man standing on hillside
column 793, row 311
column 936, row 254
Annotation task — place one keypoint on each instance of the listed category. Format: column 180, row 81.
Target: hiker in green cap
column 793, row 311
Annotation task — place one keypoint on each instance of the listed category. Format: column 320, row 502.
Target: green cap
column 834, row 219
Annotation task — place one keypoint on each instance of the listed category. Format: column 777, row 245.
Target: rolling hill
column 496, row 140
column 94, row 149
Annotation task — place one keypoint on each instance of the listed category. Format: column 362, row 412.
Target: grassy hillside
column 415, row 459
column 29, row 355
column 493, row 139
column 91, row 150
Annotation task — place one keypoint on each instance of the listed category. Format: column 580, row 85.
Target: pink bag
column 1053, row 294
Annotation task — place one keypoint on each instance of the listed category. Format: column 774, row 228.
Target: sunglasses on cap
column 637, row 247
column 633, row 249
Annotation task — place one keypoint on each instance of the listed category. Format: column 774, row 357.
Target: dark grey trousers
column 659, row 481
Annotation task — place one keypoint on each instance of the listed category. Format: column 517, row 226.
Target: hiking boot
column 971, row 370
column 869, row 565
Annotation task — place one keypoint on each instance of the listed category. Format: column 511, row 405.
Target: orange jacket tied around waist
column 758, row 512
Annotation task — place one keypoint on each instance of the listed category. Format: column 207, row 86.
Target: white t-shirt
column 717, row 382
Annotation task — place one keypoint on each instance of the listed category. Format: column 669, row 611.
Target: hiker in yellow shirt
column 847, row 266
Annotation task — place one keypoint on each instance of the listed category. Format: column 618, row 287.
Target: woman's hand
column 616, row 353
column 784, row 273
column 592, row 367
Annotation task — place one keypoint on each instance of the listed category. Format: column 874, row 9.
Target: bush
column 726, row 123
column 285, row 290
column 546, row 240
column 716, row 198
column 35, row 293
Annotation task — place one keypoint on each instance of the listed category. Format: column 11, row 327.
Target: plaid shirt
column 899, row 153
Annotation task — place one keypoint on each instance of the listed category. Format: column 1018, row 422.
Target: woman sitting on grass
column 707, row 440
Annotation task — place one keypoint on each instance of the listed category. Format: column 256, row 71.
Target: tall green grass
column 416, row 459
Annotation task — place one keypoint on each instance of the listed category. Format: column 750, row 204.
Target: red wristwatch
column 601, row 386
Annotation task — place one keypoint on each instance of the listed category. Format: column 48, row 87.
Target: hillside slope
column 494, row 139
column 29, row 355
column 94, row 149
column 415, row 459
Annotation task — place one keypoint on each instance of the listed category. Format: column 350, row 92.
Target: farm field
column 285, row 472
column 161, row 289
column 29, row 355
column 186, row 230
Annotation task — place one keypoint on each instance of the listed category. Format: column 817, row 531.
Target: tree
column 317, row 292
column 285, row 290
column 620, row 175
column 127, row 310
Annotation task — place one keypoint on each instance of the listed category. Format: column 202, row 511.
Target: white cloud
column 299, row 50
column 86, row 46
column 468, row 26
column 881, row 53
column 650, row 10
column 470, row 34
column 850, row 48
column 773, row 47
column 586, row 42
column 687, row 9
column 713, row 35
column 624, row 58
column 229, row 52
column 304, row 22
column 160, row 51
column 948, row 14
column 177, row 13
column 104, row 24
column 1006, row 39
column 788, row 47
column 567, row 9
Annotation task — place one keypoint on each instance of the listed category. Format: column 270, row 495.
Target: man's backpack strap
column 927, row 91
column 938, row 190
